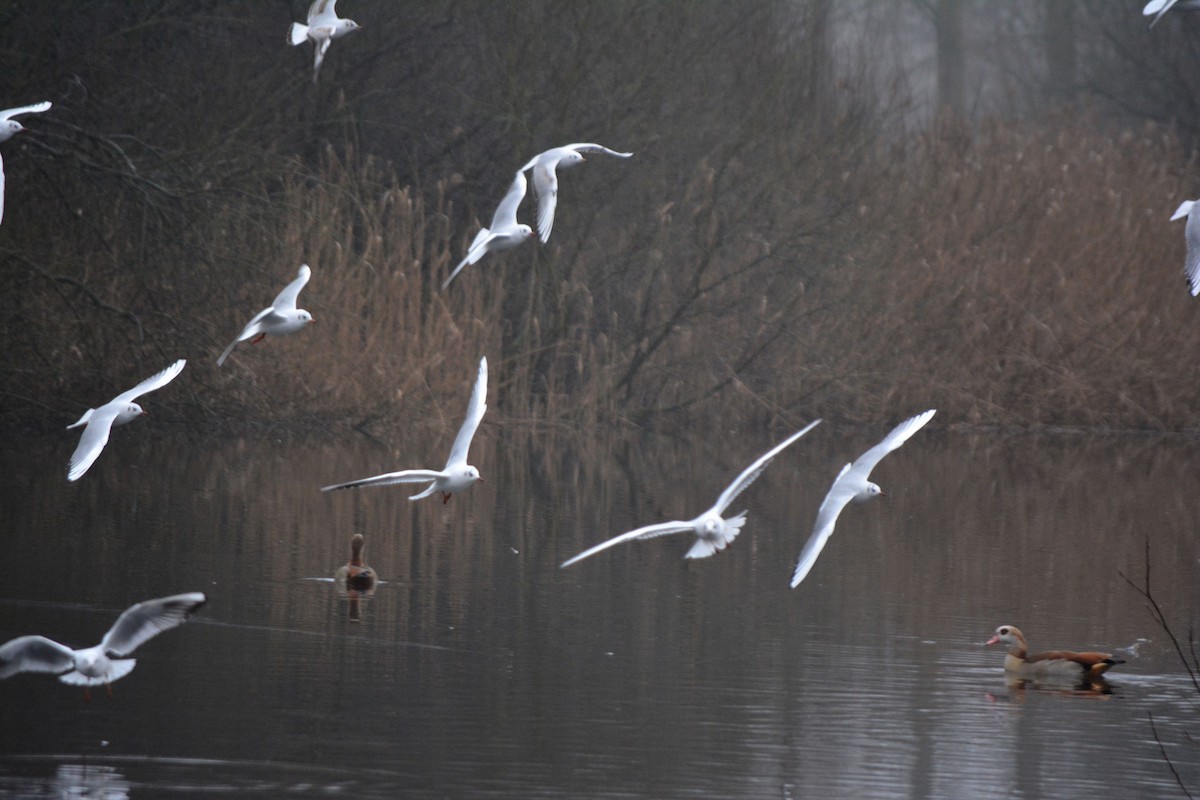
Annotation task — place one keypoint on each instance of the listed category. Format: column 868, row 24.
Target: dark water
column 480, row 669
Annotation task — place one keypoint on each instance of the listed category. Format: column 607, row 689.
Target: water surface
column 480, row 669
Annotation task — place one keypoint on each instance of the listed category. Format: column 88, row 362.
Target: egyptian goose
column 1052, row 664
column 355, row 575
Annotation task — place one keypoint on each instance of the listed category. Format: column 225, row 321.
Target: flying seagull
column 458, row 475
column 1191, row 264
column 9, row 127
column 93, row 666
column 505, row 233
column 278, row 319
column 545, row 178
column 324, row 25
column 713, row 531
column 118, row 411
column 852, row 484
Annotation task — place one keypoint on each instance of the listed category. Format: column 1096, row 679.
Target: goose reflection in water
column 88, row 780
column 355, row 577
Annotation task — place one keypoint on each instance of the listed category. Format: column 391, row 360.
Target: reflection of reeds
column 1015, row 275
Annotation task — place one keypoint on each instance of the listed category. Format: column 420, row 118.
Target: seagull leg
column 87, row 695
column 108, row 686
column 258, row 338
column 445, row 497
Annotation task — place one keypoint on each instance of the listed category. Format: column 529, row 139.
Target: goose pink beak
column 993, row 640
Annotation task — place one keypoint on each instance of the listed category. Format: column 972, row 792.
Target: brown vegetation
column 777, row 249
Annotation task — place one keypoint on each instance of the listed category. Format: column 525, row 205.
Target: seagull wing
column 36, row 108
column 1192, row 264
column 841, row 493
column 475, row 410
column 92, row 441
column 900, row 434
column 322, row 12
column 150, row 384
column 1158, row 8
column 751, row 473
column 588, row 147
column 142, row 622
column 505, row 217
column 648, row 532
column 252, row 329
column 34, row 654
column 545, row 183
column 286, row 300
column 1185, row 208
column 387, row 479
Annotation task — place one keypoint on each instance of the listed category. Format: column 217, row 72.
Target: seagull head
column 571, row 159
column 10, row 128
column 711, row 529
column 472, row 474
column 129, row 413
column 868, row 491
column 524, row 231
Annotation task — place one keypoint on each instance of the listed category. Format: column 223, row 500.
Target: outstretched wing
column 92, row 440
column 545, row 182
column 286, row 300
column 505, row 217
column 476, row 251
column 36, row 108
column 403, row 476
column 150, row 384
column 900, row 434
column 34, row 654
column 475, row 410
column 648, row 532
column 1192, row 264
column 1158, row 8
column 751, row 473
column 589, row 147
column 142, row 622
column 840, row 493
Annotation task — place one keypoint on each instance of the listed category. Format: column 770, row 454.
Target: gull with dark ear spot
column 545, row 177
column 505, row 233
column 9, row 127
column 118, row 411
column 278, row 319
column 713, row 530
column 1191, row 264
column 852, row 484
column 458, row 475
column 93, row 666
column 324, row 25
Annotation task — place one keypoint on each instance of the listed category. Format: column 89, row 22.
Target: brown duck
column 1060, row 664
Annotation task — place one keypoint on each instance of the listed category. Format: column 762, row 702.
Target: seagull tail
column 297, row 34
column 703, row 548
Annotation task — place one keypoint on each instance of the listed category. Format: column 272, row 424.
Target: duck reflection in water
column 355, row 577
